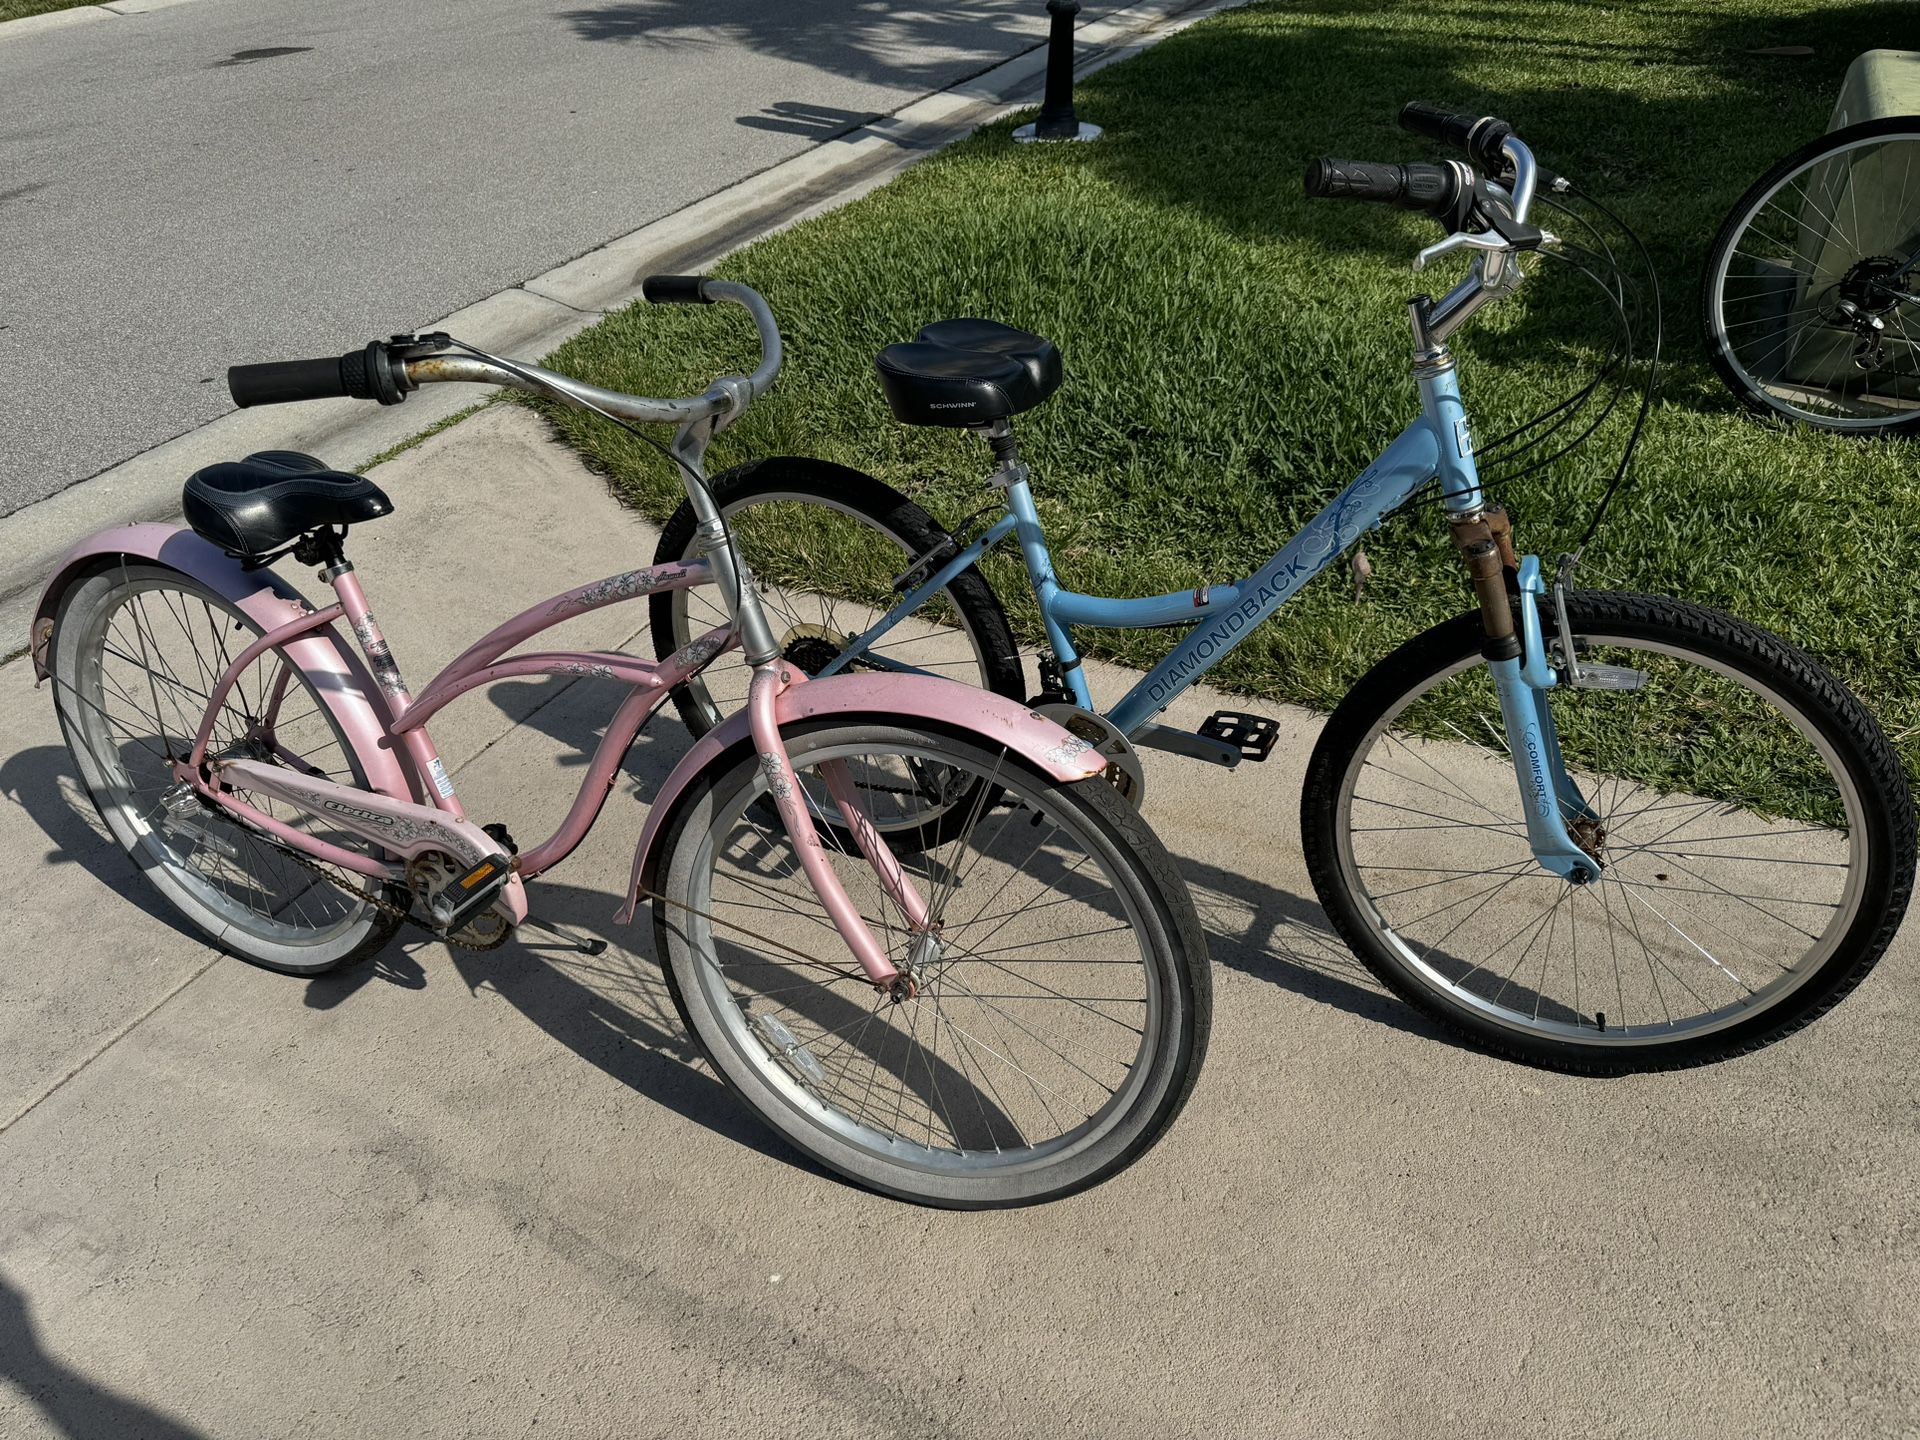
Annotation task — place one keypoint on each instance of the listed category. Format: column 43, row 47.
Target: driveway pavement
column 233, row 179
column 448, row 1194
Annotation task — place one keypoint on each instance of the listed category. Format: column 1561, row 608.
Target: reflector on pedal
column 475, row 889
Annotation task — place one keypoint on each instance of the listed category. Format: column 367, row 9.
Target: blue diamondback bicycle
column 1592, row 829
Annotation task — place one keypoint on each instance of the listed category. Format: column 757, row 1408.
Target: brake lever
column 1496, row 245
column 1459, row 240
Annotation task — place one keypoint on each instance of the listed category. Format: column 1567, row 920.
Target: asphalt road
column 238, row 180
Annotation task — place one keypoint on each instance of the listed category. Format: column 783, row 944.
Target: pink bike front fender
column 336, row 672
column 991, row 719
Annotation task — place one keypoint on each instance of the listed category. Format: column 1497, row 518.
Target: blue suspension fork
column 1517, row 661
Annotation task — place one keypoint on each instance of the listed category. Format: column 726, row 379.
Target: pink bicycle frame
column 406, row 826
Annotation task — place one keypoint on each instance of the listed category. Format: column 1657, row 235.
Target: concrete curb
column 536, row 316
column 79, row 14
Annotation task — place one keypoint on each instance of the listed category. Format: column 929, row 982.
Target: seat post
column 1006, row 450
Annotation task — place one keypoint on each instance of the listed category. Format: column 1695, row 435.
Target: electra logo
column 359, row 814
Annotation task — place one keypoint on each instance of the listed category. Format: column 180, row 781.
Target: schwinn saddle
column 968, row 372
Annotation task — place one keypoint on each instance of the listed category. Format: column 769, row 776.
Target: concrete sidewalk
column 453, row 1194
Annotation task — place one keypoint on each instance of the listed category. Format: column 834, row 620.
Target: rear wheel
column 798, row 522
column 136, row 652
column 1060, row 1010
column 1811, row 295
column 1754, row 829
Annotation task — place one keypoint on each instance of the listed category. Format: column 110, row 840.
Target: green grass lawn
column 1235, row 353
column 20, row 9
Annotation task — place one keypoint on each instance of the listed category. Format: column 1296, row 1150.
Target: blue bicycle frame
column 1438, row 445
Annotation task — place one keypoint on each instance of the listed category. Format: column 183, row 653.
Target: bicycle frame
column 404, row 730
column 438, row 822
column 1437, row 446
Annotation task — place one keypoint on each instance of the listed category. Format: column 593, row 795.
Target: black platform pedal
column 1252, row 735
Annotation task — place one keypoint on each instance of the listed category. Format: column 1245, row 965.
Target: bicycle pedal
column 459, row 896
column 1253, row 735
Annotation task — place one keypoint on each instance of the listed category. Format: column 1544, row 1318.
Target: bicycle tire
column 1873, row 781
column 801, row 1103
column 213, row 895
column 1714, row 302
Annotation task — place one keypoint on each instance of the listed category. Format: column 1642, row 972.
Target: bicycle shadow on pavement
column 1253, row 927
column 1286, row 940
column 43, row 783
column 613, row 1010
column 71, row 1403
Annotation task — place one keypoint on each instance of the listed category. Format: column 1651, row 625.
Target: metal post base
column 1027, row 134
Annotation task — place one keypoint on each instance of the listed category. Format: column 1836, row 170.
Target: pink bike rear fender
column 899, row 698
column 336, row 672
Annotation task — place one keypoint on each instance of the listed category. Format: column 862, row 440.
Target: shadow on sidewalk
column 613, row 1010
column 42, row 782
column 1256, row 928
column 72, row 1404
column 1284, row 939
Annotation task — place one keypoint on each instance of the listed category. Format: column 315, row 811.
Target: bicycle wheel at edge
column 1781, row 264
column 1051, row 1040
column 136, row 649
column 1729, row 914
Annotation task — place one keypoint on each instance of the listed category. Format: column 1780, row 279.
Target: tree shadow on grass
column 1254, row 96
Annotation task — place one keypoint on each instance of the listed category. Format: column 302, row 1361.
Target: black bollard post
column 1057, row 120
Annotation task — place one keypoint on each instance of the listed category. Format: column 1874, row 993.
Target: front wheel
column 1753, row 827
column 1060, row 1004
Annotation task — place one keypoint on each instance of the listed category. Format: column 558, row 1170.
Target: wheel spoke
column 1728, row 846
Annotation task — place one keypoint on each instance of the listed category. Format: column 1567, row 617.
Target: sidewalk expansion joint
column 109, row 1043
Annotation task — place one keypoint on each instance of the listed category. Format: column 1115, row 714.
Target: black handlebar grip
column 1480, row 136
column 369, row 374
column 281, row 382
column 1430, row 189
column 675, row 290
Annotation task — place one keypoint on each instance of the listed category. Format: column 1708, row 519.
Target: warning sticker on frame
column 441, row 781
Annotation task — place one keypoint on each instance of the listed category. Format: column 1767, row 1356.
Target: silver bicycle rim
column 1464, row 907
column 918, row 640
column 160, row 645
column 1030, row 1039
column 1775, row 287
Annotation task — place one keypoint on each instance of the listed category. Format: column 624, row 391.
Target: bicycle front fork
column 1522, row 677
column 769, row 682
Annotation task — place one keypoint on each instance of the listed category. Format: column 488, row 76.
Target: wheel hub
column 813, row 647
column 1589, row 834
column 1874, row 286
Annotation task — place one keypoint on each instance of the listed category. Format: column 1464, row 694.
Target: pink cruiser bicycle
column 907, row 921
